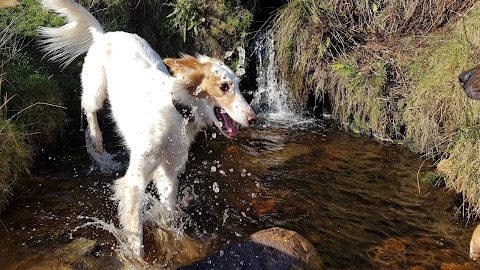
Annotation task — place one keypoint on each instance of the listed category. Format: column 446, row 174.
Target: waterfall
column 271, row 100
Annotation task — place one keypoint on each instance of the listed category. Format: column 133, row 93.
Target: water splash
column 168, row 230
column 102, row 161
column 271, row 99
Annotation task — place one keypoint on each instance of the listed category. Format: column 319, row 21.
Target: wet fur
column 141, row 92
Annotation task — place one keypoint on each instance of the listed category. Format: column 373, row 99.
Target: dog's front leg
column 166, row 182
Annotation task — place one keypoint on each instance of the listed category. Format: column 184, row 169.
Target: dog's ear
column 189, row 73
column 185, row 65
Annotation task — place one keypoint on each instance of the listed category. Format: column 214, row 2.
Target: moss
column 433, row 179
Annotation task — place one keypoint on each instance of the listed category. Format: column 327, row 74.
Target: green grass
column 15, row 157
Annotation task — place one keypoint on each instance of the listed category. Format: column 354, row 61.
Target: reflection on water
column 355, row 199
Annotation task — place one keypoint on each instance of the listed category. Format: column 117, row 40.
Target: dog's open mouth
column 229, row 127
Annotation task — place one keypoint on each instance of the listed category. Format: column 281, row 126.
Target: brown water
column 354, row 198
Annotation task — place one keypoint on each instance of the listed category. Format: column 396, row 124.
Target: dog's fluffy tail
column 65, row 43
column 7, row 3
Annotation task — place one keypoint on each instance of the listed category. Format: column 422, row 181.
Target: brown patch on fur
column 189, row 70
column 196, row 74
column 211, row 85
column 183, row 65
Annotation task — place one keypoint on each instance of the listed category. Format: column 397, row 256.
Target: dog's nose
column 251, row 119
column 465, row 76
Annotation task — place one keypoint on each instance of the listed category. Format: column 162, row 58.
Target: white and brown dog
column 146, row 103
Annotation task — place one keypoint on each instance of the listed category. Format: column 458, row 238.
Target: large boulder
column 273, row 248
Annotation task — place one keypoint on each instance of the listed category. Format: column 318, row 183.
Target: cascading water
column 271, row 100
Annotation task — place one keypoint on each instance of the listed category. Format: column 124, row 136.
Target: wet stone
column 64, row 258
column 273, row 248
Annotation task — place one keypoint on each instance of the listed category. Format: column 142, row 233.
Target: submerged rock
column 67, row 257
column 273, row 248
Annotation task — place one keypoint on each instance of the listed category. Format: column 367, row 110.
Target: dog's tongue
column 230, row 125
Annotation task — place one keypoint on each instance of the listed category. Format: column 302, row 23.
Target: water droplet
column 213, row 169
column 215, row 187
column 197, row 91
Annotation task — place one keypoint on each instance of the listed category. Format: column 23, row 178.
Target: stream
column 354, row 198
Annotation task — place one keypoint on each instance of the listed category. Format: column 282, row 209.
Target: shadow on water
column 354, row 198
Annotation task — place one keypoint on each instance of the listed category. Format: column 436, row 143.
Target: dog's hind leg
column 94, row 85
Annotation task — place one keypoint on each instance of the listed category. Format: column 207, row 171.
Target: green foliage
column 28, row 16
column 226, row 27
column 187, row 15
column 113, row 15
column 35, row 99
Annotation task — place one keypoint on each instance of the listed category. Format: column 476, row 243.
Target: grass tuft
column 15, row 156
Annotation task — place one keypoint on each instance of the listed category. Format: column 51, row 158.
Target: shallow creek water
column 354, row 198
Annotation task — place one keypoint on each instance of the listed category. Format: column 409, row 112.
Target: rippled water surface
column 354, row 198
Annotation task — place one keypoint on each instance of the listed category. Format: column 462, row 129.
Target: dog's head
column 470, row 81
column 215, row 89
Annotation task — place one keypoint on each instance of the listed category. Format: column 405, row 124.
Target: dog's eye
column 224, row 87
